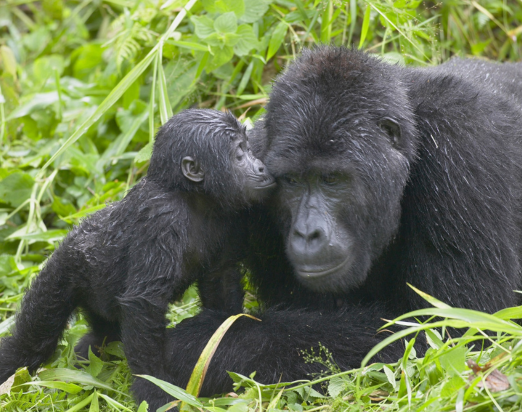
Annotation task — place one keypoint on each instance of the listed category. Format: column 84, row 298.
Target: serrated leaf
column 221, row 56
column 247, row 40
column 254, row 10
column 336, row 386
column 204, row 26
column 276, row 40
column 226, row 23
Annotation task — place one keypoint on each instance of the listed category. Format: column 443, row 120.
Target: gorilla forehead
column 328, row 104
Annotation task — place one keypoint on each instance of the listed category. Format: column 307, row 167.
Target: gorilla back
column 386, row 175
column 418, row 170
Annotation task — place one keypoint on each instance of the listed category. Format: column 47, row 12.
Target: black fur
column 411, row 174
column 123, row 265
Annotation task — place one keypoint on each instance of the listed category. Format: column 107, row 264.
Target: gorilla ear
column 192, row 169
column 392, row 129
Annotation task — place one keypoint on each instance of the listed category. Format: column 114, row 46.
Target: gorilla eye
column 291, row 180
column 392, row 129
column 239, row 154
column 331, row 179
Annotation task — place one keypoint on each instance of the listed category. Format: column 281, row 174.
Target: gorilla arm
column 274, row 347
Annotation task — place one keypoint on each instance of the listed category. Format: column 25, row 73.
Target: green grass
column 85, row 84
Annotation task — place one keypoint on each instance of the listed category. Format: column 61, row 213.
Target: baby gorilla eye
column 239, row 154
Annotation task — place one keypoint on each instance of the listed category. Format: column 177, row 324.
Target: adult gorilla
column 386, row 175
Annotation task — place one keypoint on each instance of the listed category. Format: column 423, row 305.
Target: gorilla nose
column 259, row 166
column 308, row 240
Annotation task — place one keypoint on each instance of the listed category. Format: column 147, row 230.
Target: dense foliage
column 85, row 84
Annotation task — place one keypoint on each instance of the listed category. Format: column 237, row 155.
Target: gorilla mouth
column 322, row 272
column 266, row 183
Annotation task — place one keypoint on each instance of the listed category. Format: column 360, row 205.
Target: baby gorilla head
column 207, row 151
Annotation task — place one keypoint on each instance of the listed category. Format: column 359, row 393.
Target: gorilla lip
column 265, row 184
column 316, row 274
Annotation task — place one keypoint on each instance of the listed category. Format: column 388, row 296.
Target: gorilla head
column 340, row 137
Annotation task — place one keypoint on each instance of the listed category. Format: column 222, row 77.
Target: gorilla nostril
column 314, row 235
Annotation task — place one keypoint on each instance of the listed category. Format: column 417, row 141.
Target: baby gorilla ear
column 192, row 169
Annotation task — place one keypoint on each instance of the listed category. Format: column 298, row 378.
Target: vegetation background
column 84, row 85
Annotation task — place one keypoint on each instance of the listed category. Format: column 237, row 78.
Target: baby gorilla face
column 250, row 171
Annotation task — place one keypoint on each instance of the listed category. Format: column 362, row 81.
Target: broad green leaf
column 221, row 56
column 247, row 40
column 145, row 153
column 336, row 386
column 453, row 360
column 6, row 325
column 204, row 26
column 237, row 6
column 278, row 35
column 254, row 10
column 226, row 23
column 32, row 103
column 8, row 60
column 16, row 188
column 174, row 391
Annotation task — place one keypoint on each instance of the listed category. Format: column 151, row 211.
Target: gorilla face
column 340, row 149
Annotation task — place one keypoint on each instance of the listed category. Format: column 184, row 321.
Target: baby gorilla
column 183, row 222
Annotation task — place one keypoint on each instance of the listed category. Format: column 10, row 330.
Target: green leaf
column 174, row 391
column 66, row 375
column 336, row 386
column 200, row 370
column 247, row 40
column 32, row 103
column 95, row 364
column 226, row 23
column 66, row 387
column 453, row 360
column 204, row 26
column 254, row 10
column 54, row 235
column 145, row 153
column 190, row 45
column 365, row 25
column 16, row 188
column 430, row 299
column 144, row 407
column 221, row 56
column 276, row 40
